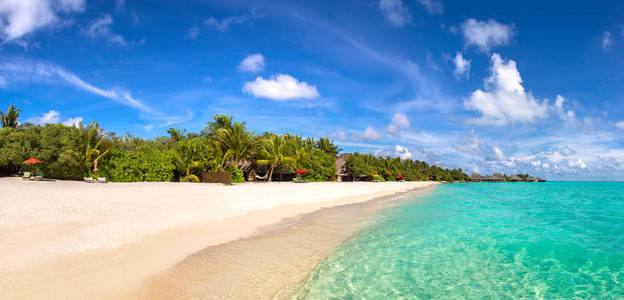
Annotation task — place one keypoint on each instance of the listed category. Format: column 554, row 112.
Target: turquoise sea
column 554, row 240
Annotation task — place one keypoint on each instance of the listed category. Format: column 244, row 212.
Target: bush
column 237, row 175
column 131, row 166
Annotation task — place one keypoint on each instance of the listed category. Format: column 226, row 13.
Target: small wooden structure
column 216, row 177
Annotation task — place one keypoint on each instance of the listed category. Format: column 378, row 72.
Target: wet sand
column 272, row 263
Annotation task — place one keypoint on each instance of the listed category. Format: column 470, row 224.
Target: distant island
column 498, row 177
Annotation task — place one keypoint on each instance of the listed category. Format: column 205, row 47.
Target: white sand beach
column 63, row 239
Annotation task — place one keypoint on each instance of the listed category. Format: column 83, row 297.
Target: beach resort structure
column 498, row 177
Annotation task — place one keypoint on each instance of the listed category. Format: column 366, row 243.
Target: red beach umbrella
column 302, row 171
column 400, row 176
column 32, row 161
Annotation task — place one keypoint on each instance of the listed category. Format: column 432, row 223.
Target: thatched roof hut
column 515, row 178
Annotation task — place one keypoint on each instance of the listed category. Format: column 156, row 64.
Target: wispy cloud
column 25, row 70
column 101, row 28
column 432, row 6
column 607, row 40
column 395, row 11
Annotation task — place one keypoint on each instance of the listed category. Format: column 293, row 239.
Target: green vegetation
column 70, row 152
column 389, row 169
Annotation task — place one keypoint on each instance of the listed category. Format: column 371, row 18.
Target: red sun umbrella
column 32, row 161
column 302, row 171
column 400, row 176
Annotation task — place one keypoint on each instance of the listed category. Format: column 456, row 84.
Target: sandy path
column 70, row 239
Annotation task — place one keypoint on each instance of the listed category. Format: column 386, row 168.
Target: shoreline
column 273, row 263
column 227, row 213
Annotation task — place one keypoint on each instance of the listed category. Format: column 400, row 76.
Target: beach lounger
column 39, row 176
column 299, row 180
column 26, row 176
column 87, row 180
column 102, row 180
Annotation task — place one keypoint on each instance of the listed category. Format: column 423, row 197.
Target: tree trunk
column 271, row 173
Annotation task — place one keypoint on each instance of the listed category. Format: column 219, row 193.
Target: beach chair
column 39, row 176
column 87, row 180
column 299, row 180
column 26, row 176
column 102, row 180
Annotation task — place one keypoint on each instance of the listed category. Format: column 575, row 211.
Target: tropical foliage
column 389, row 169
column 10, row 119
column 224, row 145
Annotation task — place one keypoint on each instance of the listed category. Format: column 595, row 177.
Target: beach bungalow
column 515, row 178
column 341, row 172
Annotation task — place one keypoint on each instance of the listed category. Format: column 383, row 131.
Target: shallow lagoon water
column 486, row 241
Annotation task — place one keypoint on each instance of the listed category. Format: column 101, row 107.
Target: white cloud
column 402, row 152
column 607, row 41
column 470, row 145
column 577, row 163
column 568, row 116
column 51, row 117
column 101, row 28
column 370, row 134
column 280, row 87
column 19, row 18
column 339, row 135
column 504, row 99
column 72, row 121
column 224, row 24
column 395, row 11
column 399, row 121
column 498, row 153
column 620, row 124
column 486, row 35
column 252, row 63
column 462, row 65
column 432, row 6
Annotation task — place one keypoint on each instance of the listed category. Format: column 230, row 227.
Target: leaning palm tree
column 240, row 142
column 273, row 154
column 90, row 144
column 11, row 118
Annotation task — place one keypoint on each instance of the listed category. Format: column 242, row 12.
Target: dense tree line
column 71, row 152
column 391, row 169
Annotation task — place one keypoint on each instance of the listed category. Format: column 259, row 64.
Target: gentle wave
column 517, row 240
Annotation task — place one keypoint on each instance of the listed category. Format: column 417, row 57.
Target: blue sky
column 488, row 86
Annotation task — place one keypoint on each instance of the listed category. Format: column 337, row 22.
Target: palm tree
column 273, row 154
column 11, row 118
column 176, row 134
column 221, row 121
column 90, row 144
column 327, row 146
column 190, row 155
column 240, row 142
